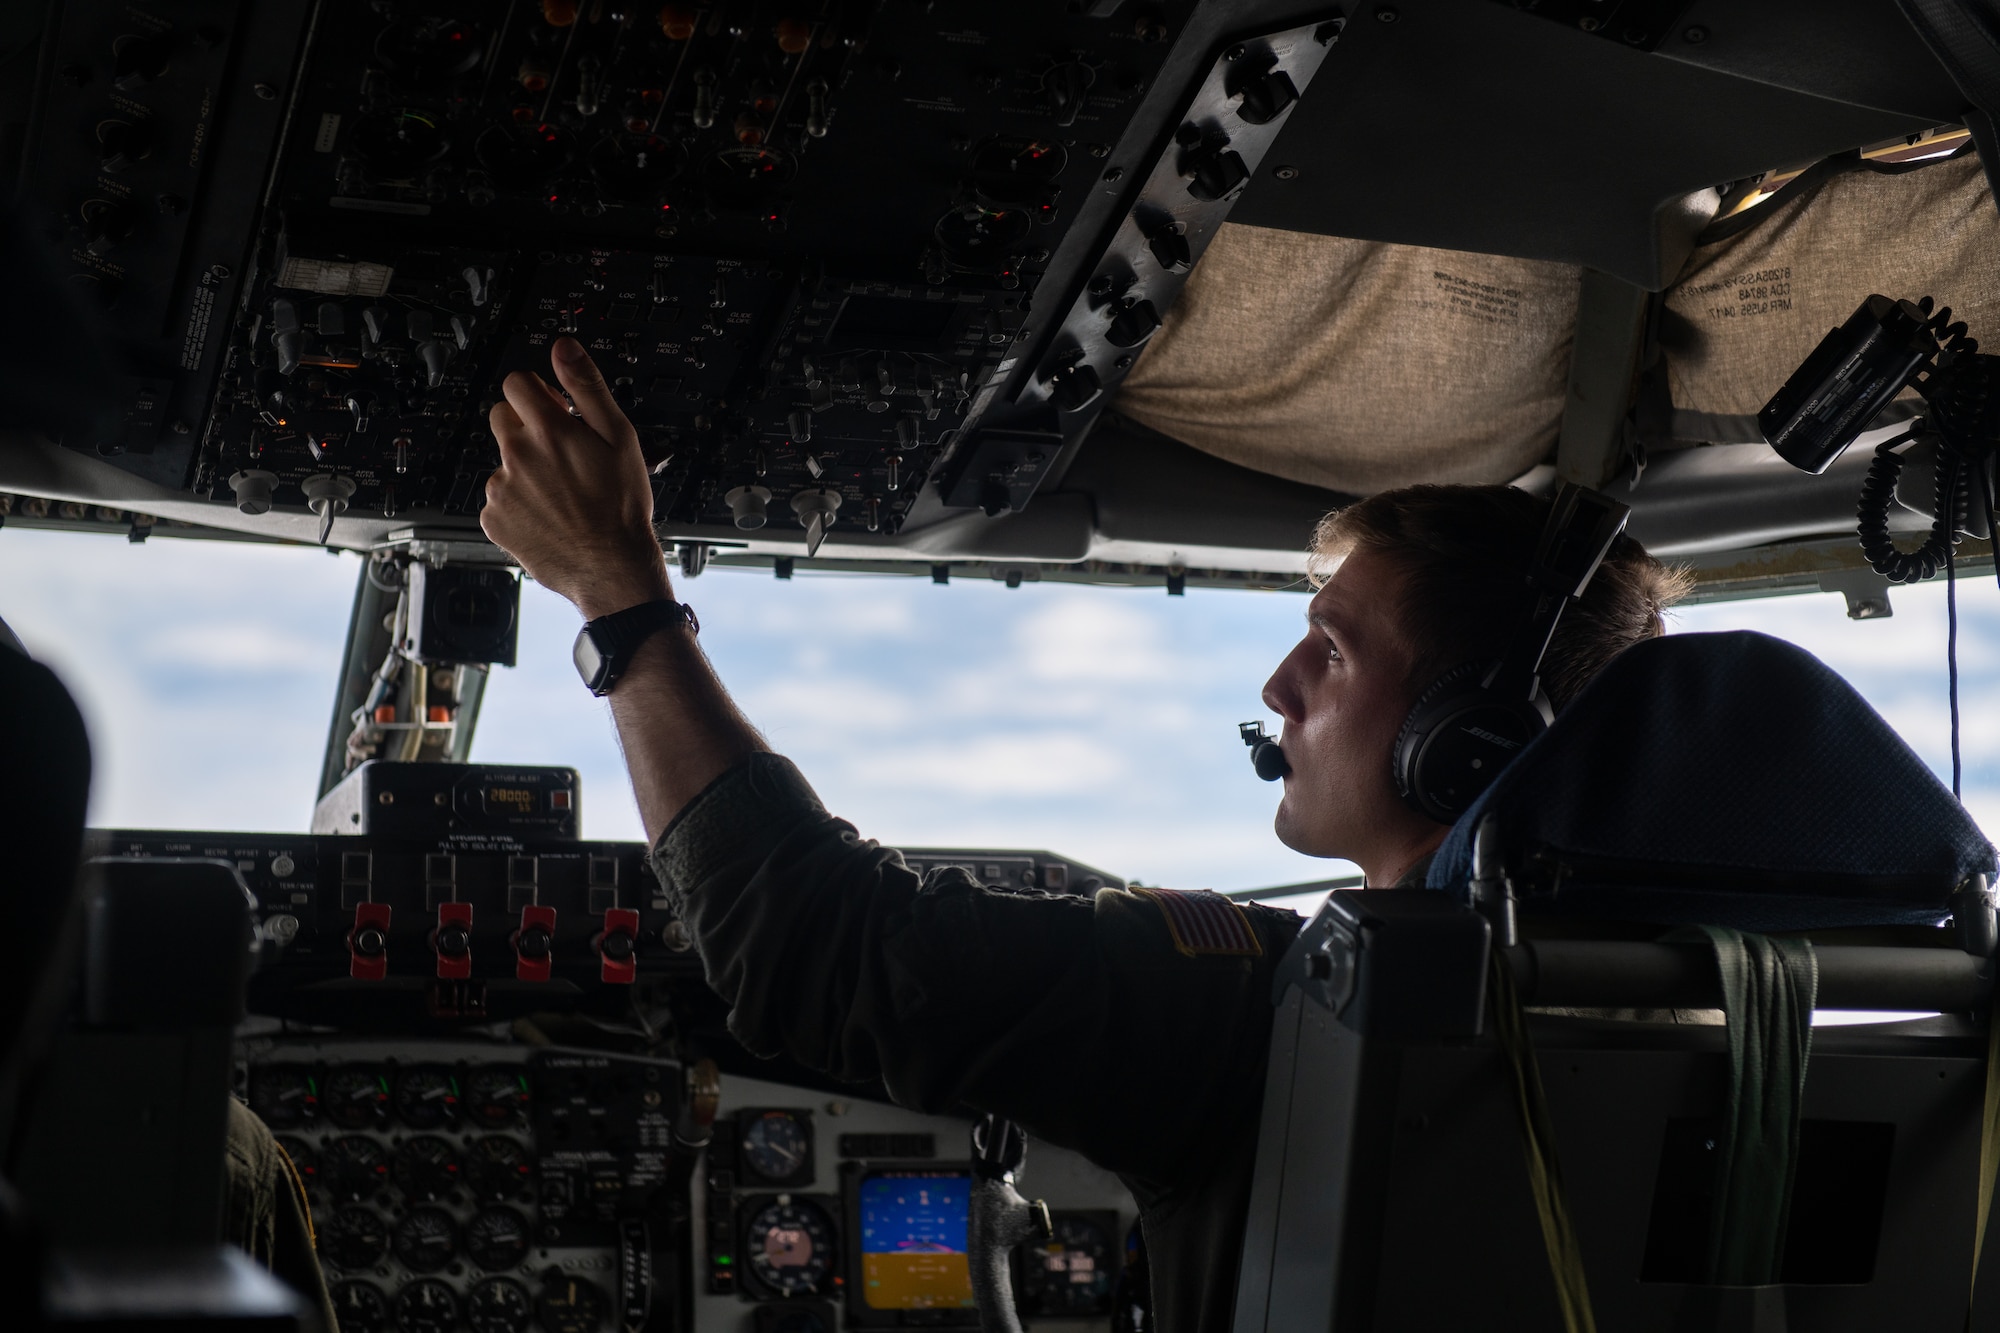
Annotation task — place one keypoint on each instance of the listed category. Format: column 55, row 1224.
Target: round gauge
column 284, row 1096
column 497, row 1168
column 777, row 1146
column 303, row 1159
column 524, row 153
column 497, row 1239
column 983, row 238
column 496, row 1096
column 426, row 1097
column 360, row 1308
column 426, row 1306
column 425, row 1240
column 428, row 48
column 1069, row 1275
column 356, row 1097
column 636, row 170
column 425, row 1167
column 400, row 141
column 354, row 1167
column 789, row 1244
column 496, row 1305
column 353, row 1238
column 570, row 1305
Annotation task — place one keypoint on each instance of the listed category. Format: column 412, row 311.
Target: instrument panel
column 488, row 1186
column 853, row 264
column 482, row 1186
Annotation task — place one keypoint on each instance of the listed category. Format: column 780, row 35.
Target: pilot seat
column 1575, row 1083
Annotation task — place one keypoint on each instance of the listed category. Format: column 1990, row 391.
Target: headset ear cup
column 1445, row 695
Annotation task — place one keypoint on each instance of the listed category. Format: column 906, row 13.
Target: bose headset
column 1476, row 717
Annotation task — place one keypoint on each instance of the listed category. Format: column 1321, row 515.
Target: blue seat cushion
column 1728, row 779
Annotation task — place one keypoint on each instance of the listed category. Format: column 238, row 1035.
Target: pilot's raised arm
column 1133, row 1026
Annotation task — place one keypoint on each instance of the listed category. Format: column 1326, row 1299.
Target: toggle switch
column 618, row 946
column 452, row 941
column 534, row 943
column 285, row 335
column 478, row 283
column 368, row 942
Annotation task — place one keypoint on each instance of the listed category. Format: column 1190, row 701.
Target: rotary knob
column 748, row 506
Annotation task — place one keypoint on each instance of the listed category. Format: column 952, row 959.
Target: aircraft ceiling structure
column 1117, row 292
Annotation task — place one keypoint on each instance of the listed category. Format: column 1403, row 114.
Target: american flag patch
column 1205, row 924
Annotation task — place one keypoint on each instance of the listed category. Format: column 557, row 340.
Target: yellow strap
column 1989, row 1148
column 1539, row 1142
column 299, row 1192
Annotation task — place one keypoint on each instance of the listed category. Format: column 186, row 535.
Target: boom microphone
column 1265, row 755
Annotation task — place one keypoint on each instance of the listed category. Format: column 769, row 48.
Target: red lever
column 452, row 941
column 618, row 946
column 535, row 943
column 368, row 942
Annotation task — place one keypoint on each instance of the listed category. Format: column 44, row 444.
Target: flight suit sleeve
column 1090, row 1021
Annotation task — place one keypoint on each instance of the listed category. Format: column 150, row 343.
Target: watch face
column 590, row 663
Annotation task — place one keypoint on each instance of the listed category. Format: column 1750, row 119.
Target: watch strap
column 618, row 636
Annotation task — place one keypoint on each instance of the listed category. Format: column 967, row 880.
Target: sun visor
column 1747, row 310
column 1359, row 366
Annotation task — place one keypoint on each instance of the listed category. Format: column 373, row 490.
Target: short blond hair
column 1464, row 554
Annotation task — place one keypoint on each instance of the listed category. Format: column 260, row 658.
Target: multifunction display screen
column 913, row 1251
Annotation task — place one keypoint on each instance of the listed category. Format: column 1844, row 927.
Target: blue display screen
column 913, row 1250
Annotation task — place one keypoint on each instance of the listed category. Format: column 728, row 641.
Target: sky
column 1098, row 723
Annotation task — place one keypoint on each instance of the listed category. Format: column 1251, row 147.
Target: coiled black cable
column 1962, row 391
column 1878, row 492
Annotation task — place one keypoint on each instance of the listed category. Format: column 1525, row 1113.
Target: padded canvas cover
column 1696, row 757
column 1751, row 308
column 1359, row 366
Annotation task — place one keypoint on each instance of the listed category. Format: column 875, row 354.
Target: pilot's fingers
column 539, row 414
column 592, row 396
column 509, row 431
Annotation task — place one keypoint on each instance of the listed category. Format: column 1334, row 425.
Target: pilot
column 1131, row 1027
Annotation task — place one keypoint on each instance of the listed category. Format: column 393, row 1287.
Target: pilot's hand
column 571, row 500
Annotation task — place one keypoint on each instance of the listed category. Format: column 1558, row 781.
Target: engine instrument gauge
column 354, row 1167
column 496, row 1095
column 497, row 1168
column 427, row 1097
column 304, row 1160
column 284, row 1096
column 1069, row 1275
column 425, row 1240
column 570, row 1305
column 497, row 1305
column 360, row 1308
column 789, row 1245
column 356, row 1097
column 777, row 1146
column 427, row 1306
column 497, row 1238
column 425, row 1167
column 354, row 1238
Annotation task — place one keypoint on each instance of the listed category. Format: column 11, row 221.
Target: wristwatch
column 604, row 646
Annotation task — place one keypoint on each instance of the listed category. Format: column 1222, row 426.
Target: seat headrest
column 1730, row 779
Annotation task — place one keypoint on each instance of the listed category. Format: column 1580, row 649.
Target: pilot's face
column 1343, row 693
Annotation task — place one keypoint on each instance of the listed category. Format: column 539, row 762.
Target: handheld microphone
column 1265, row 756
